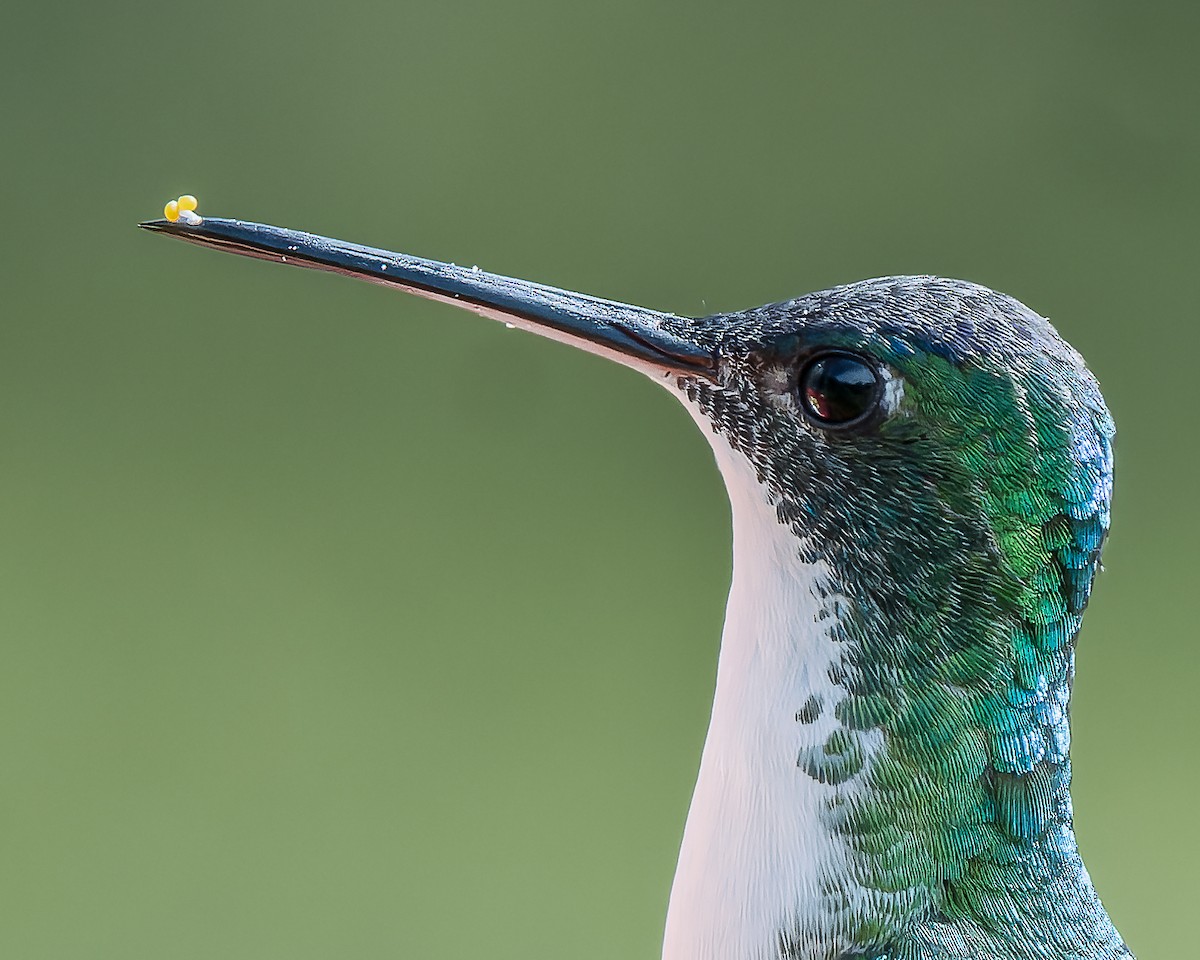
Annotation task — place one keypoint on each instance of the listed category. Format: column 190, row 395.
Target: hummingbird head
column 943, row 460
column 910, row 428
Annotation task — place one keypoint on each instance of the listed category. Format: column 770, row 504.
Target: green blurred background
column 337, row 623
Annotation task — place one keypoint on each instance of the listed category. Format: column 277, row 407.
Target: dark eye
column 837, row 389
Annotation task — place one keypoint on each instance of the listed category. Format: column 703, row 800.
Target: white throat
column 757, row 865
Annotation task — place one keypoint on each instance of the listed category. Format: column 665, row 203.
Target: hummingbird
column 920, row 475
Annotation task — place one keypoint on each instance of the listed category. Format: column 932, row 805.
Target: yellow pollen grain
column 171, row 210
column 187, row 202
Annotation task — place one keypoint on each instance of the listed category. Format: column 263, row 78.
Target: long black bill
column 634, row 336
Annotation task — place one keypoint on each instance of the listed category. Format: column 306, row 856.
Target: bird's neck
column 758, row 858
column 796, row 844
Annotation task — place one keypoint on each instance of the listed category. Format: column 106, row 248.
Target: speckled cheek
column 778, row 388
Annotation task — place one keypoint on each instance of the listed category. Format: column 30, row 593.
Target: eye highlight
column 839, row 389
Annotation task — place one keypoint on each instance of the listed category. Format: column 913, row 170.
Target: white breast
column 757, row 863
